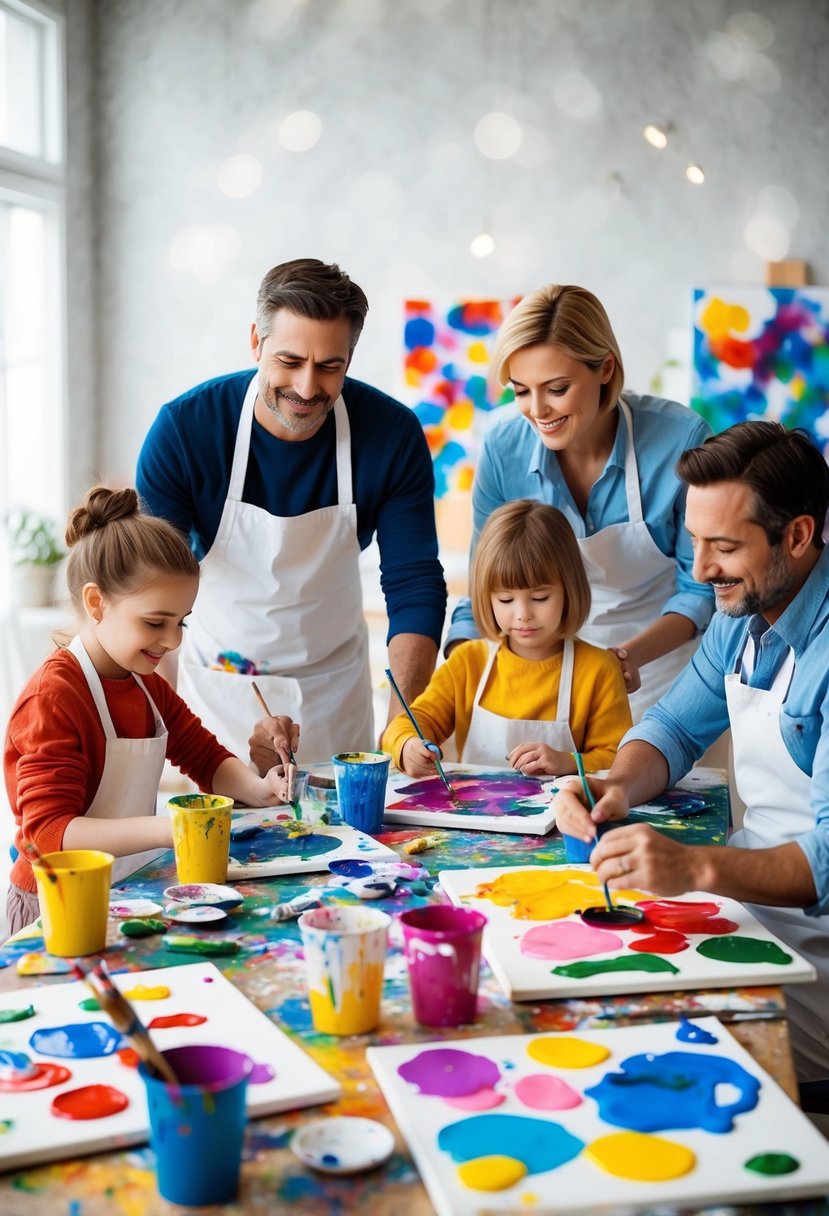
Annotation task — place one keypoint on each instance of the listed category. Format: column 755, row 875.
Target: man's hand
column 630, row 669
column 637, row 856
column 572, row 815
column 272, row 742
column 538, row 759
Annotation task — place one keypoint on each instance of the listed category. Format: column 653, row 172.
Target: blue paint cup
column 577, row 851
column 197, row 1127
column 361, row 779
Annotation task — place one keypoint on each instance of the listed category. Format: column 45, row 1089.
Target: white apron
column 776, row 794
column 630, row 580
column 283, row 591
column 132, row 767
column 491, row 737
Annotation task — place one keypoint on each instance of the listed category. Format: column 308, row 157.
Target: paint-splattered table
column 269, row 969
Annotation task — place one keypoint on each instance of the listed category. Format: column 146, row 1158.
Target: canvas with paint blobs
column 538, row 945
column 271, row 842
column 671, row 1113
column 69, row 1084
column 483, row 798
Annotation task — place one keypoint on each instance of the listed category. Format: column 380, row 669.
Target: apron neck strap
column 565, row 684
column 97, row 689
column 633, row 492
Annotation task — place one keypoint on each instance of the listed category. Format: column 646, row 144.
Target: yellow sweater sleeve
column 599, row 705
column 446, row 704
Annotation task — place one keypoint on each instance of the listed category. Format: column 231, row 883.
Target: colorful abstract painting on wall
column 763, row 353
column 447, row 355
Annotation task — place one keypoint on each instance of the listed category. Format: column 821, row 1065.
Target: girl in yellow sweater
column 533, row 693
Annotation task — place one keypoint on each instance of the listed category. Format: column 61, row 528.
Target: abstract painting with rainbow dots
column 763, row 353
column 448, row 383
column 598, row 1120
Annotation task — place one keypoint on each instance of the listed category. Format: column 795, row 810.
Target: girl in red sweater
column 89, row 734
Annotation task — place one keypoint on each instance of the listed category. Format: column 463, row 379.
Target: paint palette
column 538, row 946
column 485, row 798
column 346, row 1144
column 603, row 1120
column 281, row 844
column 183, row 1005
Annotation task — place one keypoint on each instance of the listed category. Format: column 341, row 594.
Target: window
column 32, row 360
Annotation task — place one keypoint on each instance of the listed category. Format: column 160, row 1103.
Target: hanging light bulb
column 482, row 245
column 695, row 173
column 657, row 136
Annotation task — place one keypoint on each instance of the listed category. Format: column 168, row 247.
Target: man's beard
column 777, row 583
column 297, row 426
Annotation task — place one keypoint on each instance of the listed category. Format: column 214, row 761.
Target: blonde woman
column 606, row 459
column 531, row 693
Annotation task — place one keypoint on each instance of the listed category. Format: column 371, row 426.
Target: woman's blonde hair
column 114, row 545
column 571, row 318
column 528, row 544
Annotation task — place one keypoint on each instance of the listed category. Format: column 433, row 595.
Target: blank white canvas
column 538, row 823
column 232, row 1021
column 719, row 1176
column 531, row 979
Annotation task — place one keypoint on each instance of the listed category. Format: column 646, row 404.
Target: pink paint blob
column 542, row 1092
column 446, row 1072
column 566, row 940
column 176, row 1019
column 90, row 1102
column 484, row 1099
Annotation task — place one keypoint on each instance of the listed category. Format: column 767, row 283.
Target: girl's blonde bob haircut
column 571, row 318
column 522, row 545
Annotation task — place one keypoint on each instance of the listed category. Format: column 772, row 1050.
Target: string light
column 482, row 245
column 657, row 136
column 695, row 173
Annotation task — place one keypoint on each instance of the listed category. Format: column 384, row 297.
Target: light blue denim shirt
column 514, row 463
column 693, row 712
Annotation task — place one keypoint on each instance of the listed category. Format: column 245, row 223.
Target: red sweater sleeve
column 55, row 748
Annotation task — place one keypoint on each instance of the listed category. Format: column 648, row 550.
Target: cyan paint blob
column 689, row 1032
column 641, row 962
column 673, row 1091
column 76, row 1041
column 540, row 1144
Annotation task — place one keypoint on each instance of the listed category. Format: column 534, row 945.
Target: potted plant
column 36, row 552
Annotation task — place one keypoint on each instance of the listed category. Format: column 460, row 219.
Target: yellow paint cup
column 345, row 951
column 201, row 836
column 74, row 904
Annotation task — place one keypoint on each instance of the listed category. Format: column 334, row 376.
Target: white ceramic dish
column 344, row 1144
column 209, row 894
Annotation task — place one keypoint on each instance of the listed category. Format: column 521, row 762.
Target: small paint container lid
column 344, row 1144
column 204, row 893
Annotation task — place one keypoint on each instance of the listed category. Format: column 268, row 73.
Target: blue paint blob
column 419, row 332
column 76, row 1041
column 330, row 1159
column 12, row 1062
column 689, row 1032
column 350, row 867
column 277, row 843
column 673, row 1091
column 294, row 1013
column 539, row 1144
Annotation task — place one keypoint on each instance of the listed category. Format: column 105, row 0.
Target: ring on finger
column 624, row 868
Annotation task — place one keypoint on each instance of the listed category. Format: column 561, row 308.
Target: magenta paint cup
column 361, row 779
column 442, row 945
column 197, row 1127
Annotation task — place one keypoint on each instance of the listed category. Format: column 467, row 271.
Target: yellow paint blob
column 414, row 378
column 720, row 319
column 493, row 1173
column 464, row 478
column 143, row 993
column 641, row 1158
column 549, row 894
column 477, row 352
column 459, row 416
column 565, row 1051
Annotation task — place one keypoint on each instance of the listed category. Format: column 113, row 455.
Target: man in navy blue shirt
column 281, row 477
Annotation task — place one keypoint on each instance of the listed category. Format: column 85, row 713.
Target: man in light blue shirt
column 755, row 512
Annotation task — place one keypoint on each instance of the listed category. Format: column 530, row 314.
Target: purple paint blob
column 493, row 794
column 76, row 1041
column 449, row 1073
column 262, row 1073
column 567, row 940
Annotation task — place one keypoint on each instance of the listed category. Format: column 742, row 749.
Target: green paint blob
column 90, row 1005
column 5, row 1126
column 200, row 945
column 642, row 962
column 146, row 927
column 738, row 949
column 773, row 1164
column 16, row 1015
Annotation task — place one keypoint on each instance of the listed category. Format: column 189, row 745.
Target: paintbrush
column 591, row 802
column 30, row 848
column 432, row 747
column 124, row 1018
column 294, row 802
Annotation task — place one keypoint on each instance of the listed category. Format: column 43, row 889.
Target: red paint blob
column 686, row 916
column 658, row 941
column 45, row 1076
column 176, row 1019
column 90, row 1102
column 128, row 1056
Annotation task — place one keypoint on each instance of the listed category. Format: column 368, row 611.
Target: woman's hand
column 417, row 759
column 272, row 742
column 630, row 669
column 538, row 759
column 276, row 784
